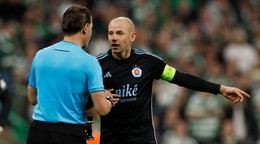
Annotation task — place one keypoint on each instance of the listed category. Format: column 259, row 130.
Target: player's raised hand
column 234, row 94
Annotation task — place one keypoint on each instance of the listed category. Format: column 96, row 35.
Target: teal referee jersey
column 64, row 75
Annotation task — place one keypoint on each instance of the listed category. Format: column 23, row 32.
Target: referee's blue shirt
column 64, row 75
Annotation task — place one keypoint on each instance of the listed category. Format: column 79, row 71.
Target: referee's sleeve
column 32, row 76
column 95, row 77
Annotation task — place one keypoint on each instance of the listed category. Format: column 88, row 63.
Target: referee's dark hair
column 75, row 18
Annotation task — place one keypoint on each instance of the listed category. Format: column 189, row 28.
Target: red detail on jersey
column 137, row 71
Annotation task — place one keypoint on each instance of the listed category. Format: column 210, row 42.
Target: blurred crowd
column 218, row 40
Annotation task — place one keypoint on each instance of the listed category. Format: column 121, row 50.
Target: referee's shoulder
column 42, row 51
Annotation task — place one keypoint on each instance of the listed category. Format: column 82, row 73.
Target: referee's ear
column 89, row 104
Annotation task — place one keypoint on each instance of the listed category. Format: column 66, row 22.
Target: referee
column 61, row 79
column 131, row 72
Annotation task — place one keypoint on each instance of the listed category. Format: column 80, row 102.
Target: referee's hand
column 234, row 94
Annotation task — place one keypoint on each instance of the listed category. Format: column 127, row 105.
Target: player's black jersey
column 130, row 121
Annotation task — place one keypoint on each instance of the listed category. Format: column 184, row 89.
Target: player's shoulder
column 102, row 55
column 145, row 53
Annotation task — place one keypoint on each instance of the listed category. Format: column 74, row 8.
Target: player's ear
column 133, row 36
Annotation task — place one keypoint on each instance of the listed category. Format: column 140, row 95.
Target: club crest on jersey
column 137, row 72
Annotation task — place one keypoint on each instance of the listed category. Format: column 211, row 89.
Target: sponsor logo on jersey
column 136, row 72
column 127, row 93
column 108, row 74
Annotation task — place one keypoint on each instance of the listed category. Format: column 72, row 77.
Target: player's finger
column 237, row 100
column 115, row 98
column 245, row 94
column 238, row 93
column 111, row 90
column 241, row 97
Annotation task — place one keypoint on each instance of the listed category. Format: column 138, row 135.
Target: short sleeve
column 32, row 77
column 158, row 66
column 95, row 80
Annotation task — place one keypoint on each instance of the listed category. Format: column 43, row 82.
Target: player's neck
column 124, row 55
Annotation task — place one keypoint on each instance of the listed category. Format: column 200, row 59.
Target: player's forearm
column 195, row 83
column 188, row 81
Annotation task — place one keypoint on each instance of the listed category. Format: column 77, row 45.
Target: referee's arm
column 32, row 95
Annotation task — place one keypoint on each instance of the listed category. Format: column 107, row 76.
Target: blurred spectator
column 204, row 114
column 12, row 10
column 227, row 133
column 5, row 102
column 184, row 10
column 141, row 9
column 98, row 45
column 232, row 53
column 143, row 41
column 179, row 135
column 168, row 96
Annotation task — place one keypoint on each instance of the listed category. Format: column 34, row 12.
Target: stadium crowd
column 218, row 40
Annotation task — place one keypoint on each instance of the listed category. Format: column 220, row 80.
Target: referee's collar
column 70, row 44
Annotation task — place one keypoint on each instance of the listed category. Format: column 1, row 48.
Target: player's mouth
column 115, row 46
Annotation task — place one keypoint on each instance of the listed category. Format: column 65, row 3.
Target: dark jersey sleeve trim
column 195, row 83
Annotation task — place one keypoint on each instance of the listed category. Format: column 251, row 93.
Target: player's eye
column 120, row 33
